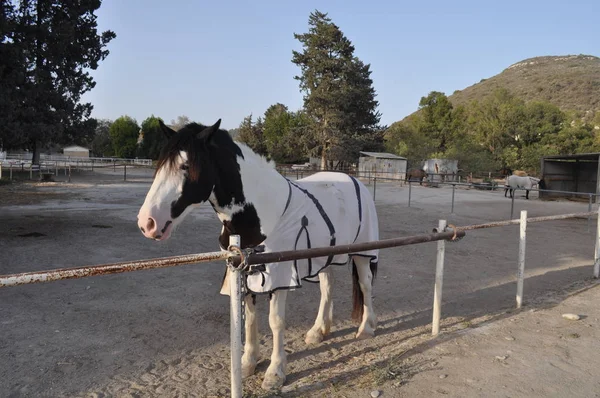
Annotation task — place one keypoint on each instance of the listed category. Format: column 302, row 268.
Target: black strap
column 289, row 199
column 325, row 218
column 358, row 198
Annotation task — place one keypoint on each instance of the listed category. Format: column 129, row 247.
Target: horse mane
column 184, row 141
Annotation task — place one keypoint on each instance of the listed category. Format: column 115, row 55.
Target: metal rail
column 105, row 269
column 264, row 258
column 529, row 220
column 261, row 258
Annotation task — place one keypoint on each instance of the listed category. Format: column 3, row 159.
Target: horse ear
column 166, row 130
column 207, row 133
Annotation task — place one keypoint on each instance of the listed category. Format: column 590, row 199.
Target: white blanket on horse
column 324, row 209
column 514, row 181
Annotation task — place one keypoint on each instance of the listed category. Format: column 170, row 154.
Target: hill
column 571, row 82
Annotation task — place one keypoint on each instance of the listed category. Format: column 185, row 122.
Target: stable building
column 571, row 173
column 381, row 165
column 76, row 151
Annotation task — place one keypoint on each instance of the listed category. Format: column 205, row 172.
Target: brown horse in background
column 416, row 173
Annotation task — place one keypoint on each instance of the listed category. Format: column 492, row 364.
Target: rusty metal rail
column 529, row 220
column 258, row 258
column 264, row 258
column 105, row 269
column 261, row 258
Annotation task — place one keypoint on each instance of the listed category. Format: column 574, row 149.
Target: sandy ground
column 165, row 332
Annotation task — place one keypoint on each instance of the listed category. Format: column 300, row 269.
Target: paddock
column 166, row 331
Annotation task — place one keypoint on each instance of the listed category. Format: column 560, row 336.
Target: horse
column 505, row 171
column 514, row 181
column 416, row 173
column 272, row 213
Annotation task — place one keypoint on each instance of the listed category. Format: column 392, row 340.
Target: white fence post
column 439, row 279
column 597, row 251
column 236, row 325
column 521, row 265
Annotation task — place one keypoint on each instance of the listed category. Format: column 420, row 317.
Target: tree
column 180, row 122
column 499, row 122
column 153, row 139
column 283, row 133
column 338, row 92
column 251, row 134
column 52, row 44
column 124, row 133
column 101, row 145
column 436, row 119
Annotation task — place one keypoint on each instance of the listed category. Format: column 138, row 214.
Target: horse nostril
column 143, row 230
column 151, row 224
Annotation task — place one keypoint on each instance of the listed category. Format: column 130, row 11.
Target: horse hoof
column 313, row 337
column 273, row 382
column 365, row 334
column 248, row 368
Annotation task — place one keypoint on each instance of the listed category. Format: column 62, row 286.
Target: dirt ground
column 165, row 332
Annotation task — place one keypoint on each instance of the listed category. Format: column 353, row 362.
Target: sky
column 225, row 60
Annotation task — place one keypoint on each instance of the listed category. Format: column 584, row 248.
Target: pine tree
column 55, row 44
column 338, row 90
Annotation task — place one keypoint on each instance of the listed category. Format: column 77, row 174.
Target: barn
column 572, row 173
column 441, row 170
column 76, row 151
column 381, row 165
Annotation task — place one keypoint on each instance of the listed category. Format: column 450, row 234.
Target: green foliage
column 124, row 133
column 251, row 134
column 283, row 133
column 101, row 145
column 338, row 94
column 501, row 130
column 153, row 139
column 436, row 119
column 47, row 49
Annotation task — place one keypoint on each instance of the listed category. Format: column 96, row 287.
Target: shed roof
column 576, row 156
column 75, row 148
column 382, row 155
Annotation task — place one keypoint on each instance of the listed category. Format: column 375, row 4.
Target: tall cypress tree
column 338, row 92
column 56, row 42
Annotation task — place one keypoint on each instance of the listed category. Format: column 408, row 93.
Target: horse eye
column 184, row 167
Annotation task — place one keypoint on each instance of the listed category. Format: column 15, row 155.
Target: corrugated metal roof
column 580, row 156
column 382, row 155
column 75, row 148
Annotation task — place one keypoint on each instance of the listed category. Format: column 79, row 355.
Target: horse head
column 190, row 172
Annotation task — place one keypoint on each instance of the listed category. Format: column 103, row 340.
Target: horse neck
column 264, row 188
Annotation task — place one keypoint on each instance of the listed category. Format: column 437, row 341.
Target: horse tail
column 358, row 300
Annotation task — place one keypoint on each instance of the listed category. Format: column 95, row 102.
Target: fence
column 46, row 169
column 239, row 260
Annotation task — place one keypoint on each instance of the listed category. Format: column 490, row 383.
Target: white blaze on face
column 154, row 217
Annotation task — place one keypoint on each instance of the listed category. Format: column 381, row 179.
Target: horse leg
column 324, row 318
column 363, row 276
column 527, row 194
column 251, row 347
column 275, row 375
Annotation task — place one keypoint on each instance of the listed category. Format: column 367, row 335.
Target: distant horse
column 416, row 173
column 513, row 182
column 520, row 173
column 203, row 164
column 505, row 171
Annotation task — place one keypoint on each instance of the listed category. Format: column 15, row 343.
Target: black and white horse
column 203, row 164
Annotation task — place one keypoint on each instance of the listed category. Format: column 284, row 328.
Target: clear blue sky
column 227, row 59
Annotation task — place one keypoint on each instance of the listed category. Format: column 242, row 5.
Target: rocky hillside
column 571, row 82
